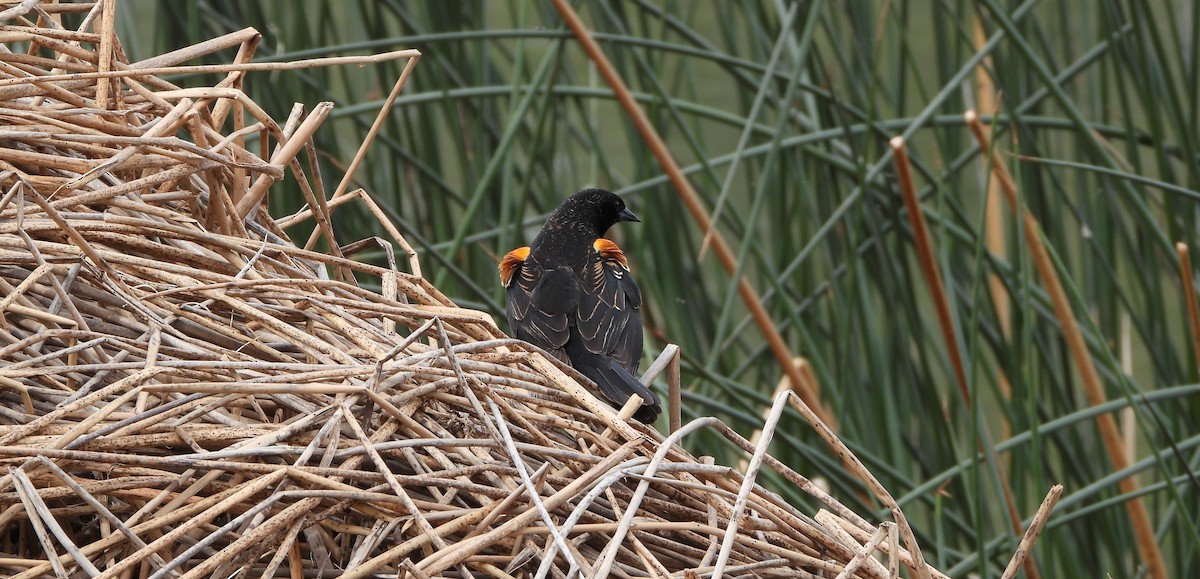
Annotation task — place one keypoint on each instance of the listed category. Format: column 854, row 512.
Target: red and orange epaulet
column 510, row 262
column 610, row 252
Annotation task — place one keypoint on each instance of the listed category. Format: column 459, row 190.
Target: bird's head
column 595, row 208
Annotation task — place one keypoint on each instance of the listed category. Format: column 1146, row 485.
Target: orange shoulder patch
column 609, row 251
column 511, row 261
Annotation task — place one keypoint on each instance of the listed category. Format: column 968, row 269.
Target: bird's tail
column 617, row 385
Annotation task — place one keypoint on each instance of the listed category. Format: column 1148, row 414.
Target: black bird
column 571, row 293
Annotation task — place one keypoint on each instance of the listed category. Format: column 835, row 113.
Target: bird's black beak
column 627, row 215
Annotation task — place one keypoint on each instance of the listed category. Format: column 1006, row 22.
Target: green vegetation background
column 504, row 116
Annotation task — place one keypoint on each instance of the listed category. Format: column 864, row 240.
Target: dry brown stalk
column 1189, row 296
column 1147, row 543
column 933, row 275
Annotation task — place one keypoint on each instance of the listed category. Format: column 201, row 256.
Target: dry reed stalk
column 1147, row 541
column 1031, row 534
column 184, row 391
column 933, row 277
column 1189, row 295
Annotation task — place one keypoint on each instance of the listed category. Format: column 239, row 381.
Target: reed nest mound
column 185, row 391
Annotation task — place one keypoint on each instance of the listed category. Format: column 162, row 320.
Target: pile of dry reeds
column 185, row 391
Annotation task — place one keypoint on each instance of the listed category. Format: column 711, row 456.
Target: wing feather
column 526, row 320
column 609, row 319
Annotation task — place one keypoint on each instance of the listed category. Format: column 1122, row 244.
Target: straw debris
column 184, row 391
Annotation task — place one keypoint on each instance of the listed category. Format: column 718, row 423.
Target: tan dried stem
column 933, row 277
column 1031, row 534
column 1147, row 543
column 1186, row 275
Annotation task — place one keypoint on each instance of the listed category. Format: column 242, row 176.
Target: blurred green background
column 1097, row 118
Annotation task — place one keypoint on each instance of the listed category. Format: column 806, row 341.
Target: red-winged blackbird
column 571, row 293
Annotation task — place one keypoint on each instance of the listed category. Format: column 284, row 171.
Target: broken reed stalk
column 674, row 392
column 668, row 361
column 933, row 277
column 134, row 71
column 867, row 551
column 918, row 564
column 1147, row 543
column 361, row 154
column 1025, row 548
column 929, row 268
column 997, row 245
column 1189, row 297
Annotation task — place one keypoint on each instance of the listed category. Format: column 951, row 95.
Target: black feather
column 615, row 382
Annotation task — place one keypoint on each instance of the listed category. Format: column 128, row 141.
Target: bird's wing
column 526, row 320
column 609, row 321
